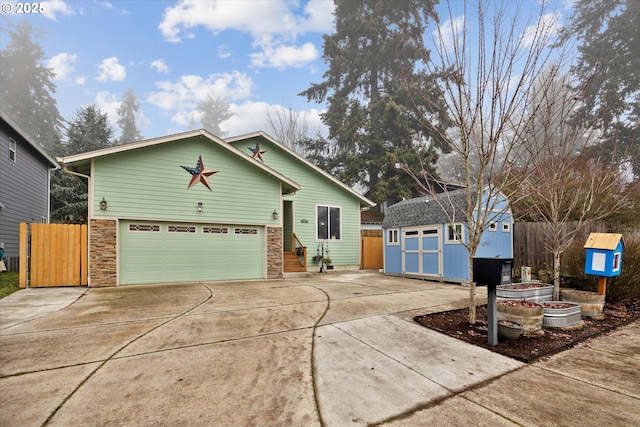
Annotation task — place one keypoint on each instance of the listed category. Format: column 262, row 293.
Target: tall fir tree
column 213, row 112
column 127, row 121
column 371, row 114
column 608, row 33
column 27, row 89
column 88, row 131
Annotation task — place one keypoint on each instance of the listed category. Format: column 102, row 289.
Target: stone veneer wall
column 274, row 252
column 103, row 264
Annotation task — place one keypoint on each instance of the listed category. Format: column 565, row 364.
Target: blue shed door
column 421, row 251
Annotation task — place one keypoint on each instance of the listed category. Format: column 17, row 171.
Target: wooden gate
column 53, row 255
column 371, row 250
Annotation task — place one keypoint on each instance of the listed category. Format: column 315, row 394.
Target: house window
column 12, row 150
column 493, row 226
column 392, row 237
column 454, row 233
column 506, row 227
column 328, row 223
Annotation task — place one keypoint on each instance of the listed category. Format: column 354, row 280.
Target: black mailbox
column 492, row 271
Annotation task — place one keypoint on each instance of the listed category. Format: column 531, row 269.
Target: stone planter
column 526, row 313
column 529, row 291
column 562, row 315
column 509, row 331
column 591, row 303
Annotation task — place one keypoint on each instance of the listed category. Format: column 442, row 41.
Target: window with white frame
column 328, row 223
column 454, row 233
column 493, row 226
column 12, row 150
column 506, row 227
column 392, row 237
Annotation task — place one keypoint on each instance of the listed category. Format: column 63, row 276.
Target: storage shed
column 604, row 254
column 425, row 236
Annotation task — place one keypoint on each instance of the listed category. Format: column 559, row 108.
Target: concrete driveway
column 338, row 349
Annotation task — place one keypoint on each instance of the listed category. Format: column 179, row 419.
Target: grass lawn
column 8, row 283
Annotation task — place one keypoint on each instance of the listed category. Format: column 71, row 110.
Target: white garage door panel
column 164, row 256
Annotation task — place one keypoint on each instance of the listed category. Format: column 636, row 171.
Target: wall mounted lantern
column 275, row 214
column 103, row 205
column 199, row 206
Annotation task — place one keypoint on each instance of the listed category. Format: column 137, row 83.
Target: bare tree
column 561, row 183
column 488, row 59
column 289, row 127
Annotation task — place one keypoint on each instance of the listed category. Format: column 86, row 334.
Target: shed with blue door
column 604, row 254
column 425, row 237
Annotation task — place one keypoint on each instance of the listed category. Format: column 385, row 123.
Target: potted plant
column 327, row 262
column 317, row 258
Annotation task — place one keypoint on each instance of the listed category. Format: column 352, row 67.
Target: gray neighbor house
column 25, row 172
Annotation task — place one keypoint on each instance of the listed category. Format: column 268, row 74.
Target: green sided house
column 193, row 207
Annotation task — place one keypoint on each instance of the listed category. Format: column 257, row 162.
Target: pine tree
column 27, row 90
column 127, row 118
column 371, row 114
column 214, row 111
column 88, row 131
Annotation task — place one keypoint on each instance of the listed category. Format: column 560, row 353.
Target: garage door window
column 215, row 230
column 181, row 229
column 145, row 228
column 246, row 231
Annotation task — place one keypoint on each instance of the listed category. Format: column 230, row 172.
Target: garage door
column 176, row 252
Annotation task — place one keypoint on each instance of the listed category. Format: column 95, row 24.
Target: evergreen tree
column 214, row 111
column 26, row 88
column 88, row 131
column 609, row 70
column 127, row 118
column 371, row 114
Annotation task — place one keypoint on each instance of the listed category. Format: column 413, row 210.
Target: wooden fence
column 529, row 242
column 371, row 248
column 53, row 255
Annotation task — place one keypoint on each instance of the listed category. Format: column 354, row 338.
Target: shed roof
column 435, row 209
column 608, row 241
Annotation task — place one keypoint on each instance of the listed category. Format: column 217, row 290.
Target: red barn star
column 199, row 174
column 257, row 152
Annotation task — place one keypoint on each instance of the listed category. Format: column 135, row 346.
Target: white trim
column 454, row 241
column 506, row 227
column 493, row 226
column 13, row 148
column 393, row 236
column 317, row 239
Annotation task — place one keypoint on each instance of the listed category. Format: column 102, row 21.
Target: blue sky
column 258, row 54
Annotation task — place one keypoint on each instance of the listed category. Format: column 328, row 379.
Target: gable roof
column 260, row 134
column 433, row 209
column 607, row 241
column 29, row 141
column 289, row 185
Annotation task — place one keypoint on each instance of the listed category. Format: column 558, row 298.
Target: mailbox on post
column 492, row 272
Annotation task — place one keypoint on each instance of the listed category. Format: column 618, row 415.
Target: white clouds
column 108, row 103
column 53, row 7
column 62, row 64
column 160, row 66
column 450, row 33
column 111, row 70
column 273, row 25
column 285, row 56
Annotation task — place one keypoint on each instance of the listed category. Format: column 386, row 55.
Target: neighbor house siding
column 133, row 188
column 24, row 188
column 317, row 189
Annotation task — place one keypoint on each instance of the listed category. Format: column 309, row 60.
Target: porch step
column 291, row 263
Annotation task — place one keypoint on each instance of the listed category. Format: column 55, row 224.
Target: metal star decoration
column 199, row 174
column 257, row 152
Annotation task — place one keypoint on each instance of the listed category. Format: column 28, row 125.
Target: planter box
column 509, row 331
column 529, row 291
column 526, row 313
column 591, row 303
column 562, row 314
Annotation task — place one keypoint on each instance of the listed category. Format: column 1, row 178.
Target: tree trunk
column 472, row 294
column 556, row 275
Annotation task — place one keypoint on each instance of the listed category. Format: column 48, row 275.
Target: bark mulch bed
column 455, row 323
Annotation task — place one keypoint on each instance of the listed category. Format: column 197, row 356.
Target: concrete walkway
column 337, row 349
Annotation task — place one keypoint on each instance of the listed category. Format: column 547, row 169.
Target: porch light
column 199, row 206
column 275, row 214
column 103, row 205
